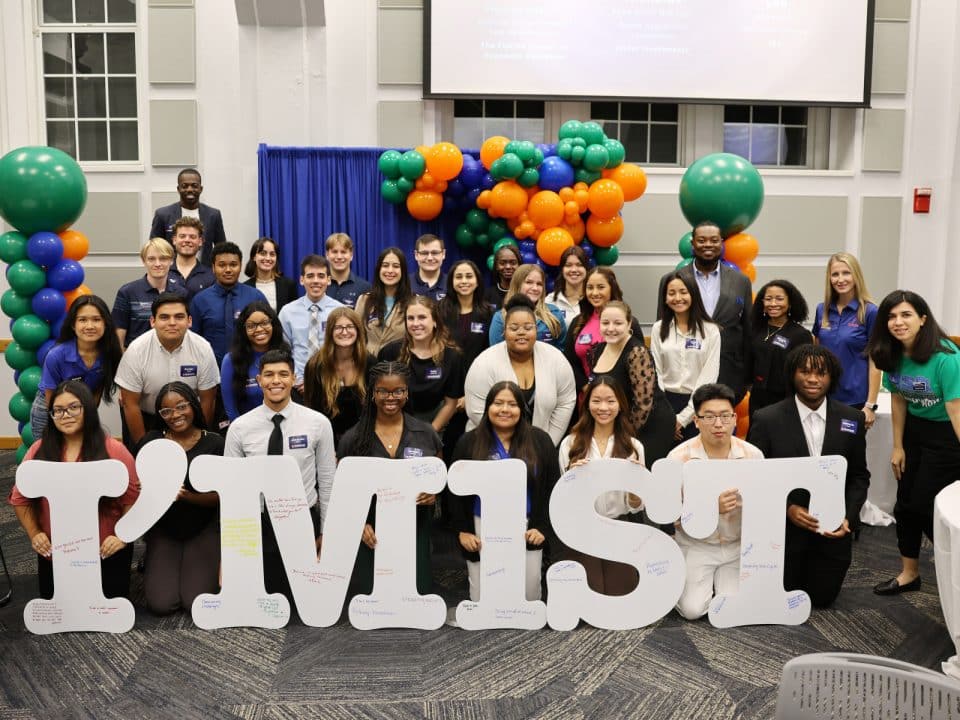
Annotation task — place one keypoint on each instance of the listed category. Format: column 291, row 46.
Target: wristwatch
column 868, row 406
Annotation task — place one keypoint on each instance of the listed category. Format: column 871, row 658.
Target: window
column 90, row 78
column 650, row 132
column 475, row 120
column 771, row 135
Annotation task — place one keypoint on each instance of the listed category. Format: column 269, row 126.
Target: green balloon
column 529, row 178
column 579, row 142
column 490, row 263
column 26, row 277
column 390, row 192
column 41, row 188
column 464, row 237
column 389, row 164
column 19, row 357
column 14, row 304
column 506, row 167
column 13, row 246
column 483, row 240
column 27, row 435
column 565, row 148
column 615, row 151
column 523, row 149
column 577, row 153
column 29, row 381
column 586, row 176
column 405, row 186
column 412, row 165
column 606, row 256
column 570, row 129
column 596, row 157
column 21, row 453
column 477, row 220
column 683, row 263
column 503, row 242
column 686, row 245
column 19, row 407
column 30, row 331
column 496, row 230
column 592, row 133
column 723, row 188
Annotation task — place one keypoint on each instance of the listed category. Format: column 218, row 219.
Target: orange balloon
column 512, row 223
column 524, row 230
column 605, row 198
column 441, row 186
column 582, row 197
column 419, row 184
column 743, row 416
column 72, row 295
column 428, row 180
column 580, row 186
column 75, row 245
column 545, row 209
column 604, row 232
column 424, row 204
column 551, row 244
column 566, row 194
column 741, row 249
column 751, row 272
column 631, row 179
column 532, row 190
column 492, row 149
column 423, row 150
column 507, row 199
column 577, row 229
column 444, row 161
column 483, row 200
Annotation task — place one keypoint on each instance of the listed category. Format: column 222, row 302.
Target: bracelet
column 868, row 406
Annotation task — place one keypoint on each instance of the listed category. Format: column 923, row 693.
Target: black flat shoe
column 892, row 587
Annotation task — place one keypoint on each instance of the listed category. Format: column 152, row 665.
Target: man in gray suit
column 727, row 296
column 189, row 186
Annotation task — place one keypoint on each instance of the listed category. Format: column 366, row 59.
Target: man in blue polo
column 345, row 285
column 305, row 319
column 132, row 306
column 429, row 279
column 215, row 310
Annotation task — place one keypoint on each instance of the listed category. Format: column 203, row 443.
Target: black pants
column 114, row 573
column 678, row 401
column 274, row 573
column 932, row 463
column 816, row 564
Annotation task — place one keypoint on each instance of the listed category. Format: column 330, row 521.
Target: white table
column 946, row 550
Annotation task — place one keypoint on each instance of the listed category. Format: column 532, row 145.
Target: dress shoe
column 892, row 587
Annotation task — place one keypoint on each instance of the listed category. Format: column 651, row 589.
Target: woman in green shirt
column 921, row 369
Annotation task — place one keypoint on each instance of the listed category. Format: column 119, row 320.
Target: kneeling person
column 713, row 563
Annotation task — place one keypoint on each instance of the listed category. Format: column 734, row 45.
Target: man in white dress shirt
column 282, row 427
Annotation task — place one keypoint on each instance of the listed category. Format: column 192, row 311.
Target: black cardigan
column 286, row 289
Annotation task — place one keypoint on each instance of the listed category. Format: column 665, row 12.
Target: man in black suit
column 189, row 185
column 811, row 425
column 727, row 296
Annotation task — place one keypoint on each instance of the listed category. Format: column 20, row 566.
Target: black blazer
column 165, row 217
column 287, row 289
column 777, row 431
column 732, row 314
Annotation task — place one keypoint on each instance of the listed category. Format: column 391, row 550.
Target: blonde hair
column 338, row 238
column 540, row 310
column 164, row 248
column 320, row 375
column 860, row 291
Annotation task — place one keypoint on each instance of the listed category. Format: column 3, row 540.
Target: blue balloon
column 20, row 427
column 65, row 275
column 487, row 182
column 45, row 249
column 455, row 188
column 543, row 266
column 49, row 304
column 46, row 347
column 548, row 150
column 556, row 173
column 16, row 379
column 450, row 204
column 732, row 266
column 527, row 246
column 550, row 282
column 471, row 175
column 472, row 195
column 529, row 258
column 587, row 249
column 56, row 326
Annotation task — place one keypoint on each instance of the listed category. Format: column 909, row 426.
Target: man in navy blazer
column 189, row 185
column 728, row 296
column 808, row 425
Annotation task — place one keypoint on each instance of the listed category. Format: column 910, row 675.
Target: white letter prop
column 161, row 467
column 395, row 601
column 653, row 553
column 764, row 486
column 503, row 496
column 73, row 491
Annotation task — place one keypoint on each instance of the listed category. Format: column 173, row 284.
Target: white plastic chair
column 847, row 686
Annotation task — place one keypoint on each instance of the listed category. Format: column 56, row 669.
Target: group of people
column 427, row 363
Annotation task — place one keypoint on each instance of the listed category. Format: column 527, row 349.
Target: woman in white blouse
column 686, row 348
column 603, row 431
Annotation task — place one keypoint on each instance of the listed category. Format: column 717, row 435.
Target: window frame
column 483, row 117
column 680, row 125
column 817, row 151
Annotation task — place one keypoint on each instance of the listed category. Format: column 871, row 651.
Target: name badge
column 780, row 341
column 691, row 344
column 252, row 382
column 412, row 452
column 476, row 327
column 188, row 371
column 433, row 373
column 441, row 296
column 297, row 442
column 237, row 314
column 585, row 339
column 849, row 426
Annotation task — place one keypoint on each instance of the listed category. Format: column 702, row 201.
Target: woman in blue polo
column 842, row 324
column 88, row 350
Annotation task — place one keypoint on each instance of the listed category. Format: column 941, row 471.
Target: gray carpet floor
column 167, row 668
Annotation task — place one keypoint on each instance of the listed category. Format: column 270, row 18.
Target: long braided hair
column 368, row 418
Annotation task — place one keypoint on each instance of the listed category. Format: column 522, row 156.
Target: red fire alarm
column 921, row 199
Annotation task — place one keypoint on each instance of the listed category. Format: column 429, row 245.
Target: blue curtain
column 307, row 193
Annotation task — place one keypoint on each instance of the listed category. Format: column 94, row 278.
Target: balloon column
column 542, row 198
column 42, row 192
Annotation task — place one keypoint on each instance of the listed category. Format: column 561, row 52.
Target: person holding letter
column 713, row 563
column 809, row 425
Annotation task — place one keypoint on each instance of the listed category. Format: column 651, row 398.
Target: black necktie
column 275, row 444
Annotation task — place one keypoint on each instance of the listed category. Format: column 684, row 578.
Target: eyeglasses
column 344, row 328
column 429, row 253
column 252, row 326
column 711, row 418
column 383, row 393
column 180, row 408
column 71, row 410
